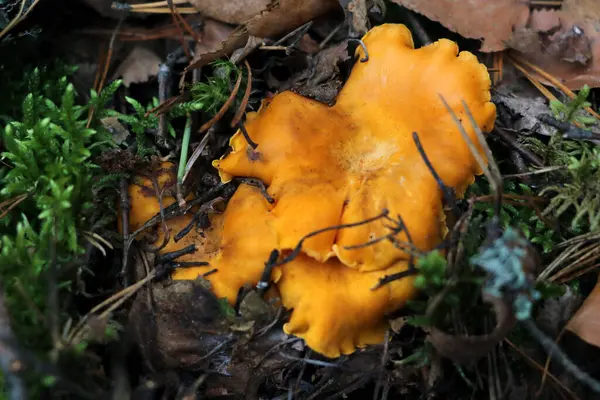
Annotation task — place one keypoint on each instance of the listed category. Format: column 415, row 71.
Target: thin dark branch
column 312, row 362
column 207, row 273
column 240, row 112
column 555, row 352
column 197, row 217
column 252, row 144
column 164, row 90
column 171, row 256
column 265, row 279
column 447, row 191
column 173, row 211
column 186, row 264
column 417, row 28
column 302, row 369
column 302, row 30
column 510, row 141
column 298, row 247
column 394, row 277
column 569, row 130
column 384, row 358
column 261, row 185
column 125, row 207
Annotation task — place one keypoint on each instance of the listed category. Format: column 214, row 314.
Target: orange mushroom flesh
column 236, row 244
column 239, row 242
column 327, row 166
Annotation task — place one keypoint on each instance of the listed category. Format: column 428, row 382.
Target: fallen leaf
column 214, row 33
column 237, row 39
column 273, row 20
column 524, row 110
column 232, row 12
column 356, row 16
column 544, row 20
column 287, row 16
column 564, row 42
column 139, row 66
column 114, row 126
column 491, row 21
column 251, row 44
column 570, row 52
column 320, row 81
column 467, row 349
column 585, row 323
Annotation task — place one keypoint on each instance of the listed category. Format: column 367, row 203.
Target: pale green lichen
column 504, row 262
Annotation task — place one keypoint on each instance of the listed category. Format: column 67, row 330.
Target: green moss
column 47, row 180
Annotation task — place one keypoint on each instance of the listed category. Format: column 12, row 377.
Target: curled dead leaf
column 321, row 81
column 468, row 349
column 139, row 66
column 491, row 21
column 274, row 20
column 214, row 33
column 231, row 12
column 585, row 323
column 287, row 16
column 176, row 326
column 569, row 50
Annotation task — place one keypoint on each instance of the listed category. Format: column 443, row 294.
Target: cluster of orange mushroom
column 326, row 166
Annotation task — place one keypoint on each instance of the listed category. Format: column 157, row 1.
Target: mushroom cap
column 245, row 240
column 236, row 244
column 327, row 166
column 142, row 195
column 334, row 307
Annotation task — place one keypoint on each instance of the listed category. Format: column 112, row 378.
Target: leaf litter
column 242, row 351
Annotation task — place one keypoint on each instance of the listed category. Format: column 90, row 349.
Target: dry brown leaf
column 288, row 15
column 237, row 39
column 467, row 349
column 140, row 65
column 565, row 42
column 275, row 20
column 356, row 15
column 491, row 21
column 570, row 51
column 585, row 323
column 265, row 18
column 235, row 12
column 214, row 33
column 544, row 20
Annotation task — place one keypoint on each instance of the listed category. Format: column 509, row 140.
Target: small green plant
column 578, row 191
column 47, row 179
column 446, row 292
column 573, row 110
column 573, row 190
column 206, row 96
column 524, row 218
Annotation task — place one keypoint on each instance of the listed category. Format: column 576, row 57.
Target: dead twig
column 164, row 75
column 242, row 109
column 21, row 15
column 107, row 61
column 224, row 107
